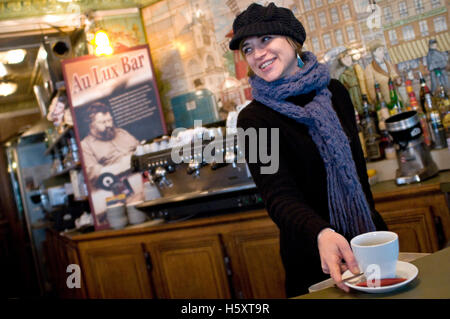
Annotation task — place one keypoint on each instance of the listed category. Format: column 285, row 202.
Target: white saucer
column 404, row 270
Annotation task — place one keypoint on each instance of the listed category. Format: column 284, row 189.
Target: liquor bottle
column 423, row 90
column 395, row 105
column 360, row 134
column 437, row 130
column 382, row 115
column 370, row 132
column 443, row 103
column 381, row 108
column 416, row 107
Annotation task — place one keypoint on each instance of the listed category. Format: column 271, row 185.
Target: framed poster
column 115, row 104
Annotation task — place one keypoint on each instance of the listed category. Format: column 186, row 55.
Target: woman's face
column 270, row 57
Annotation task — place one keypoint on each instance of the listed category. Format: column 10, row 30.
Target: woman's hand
column 333, row 247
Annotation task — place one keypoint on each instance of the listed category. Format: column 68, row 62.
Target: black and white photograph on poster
column 115, row 105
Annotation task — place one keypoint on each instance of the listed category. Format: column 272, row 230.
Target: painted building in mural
column 408, row 25
column 328, row 24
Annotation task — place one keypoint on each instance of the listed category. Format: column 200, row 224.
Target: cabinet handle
column 148, row 261
column 226, row 259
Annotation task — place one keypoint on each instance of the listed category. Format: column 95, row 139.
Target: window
column 418, row 4
column 334, row 15
column 423, row 26
column 408, row 33
column 351, row 33
column 327, row 41
column 435, row 3
column 322, row 19
column 440, row 24
column 307, row 4
column 403, row 9
column 315, row 44
column 346, row 11
column 338, row 37
column 318, row 3
column 311, row 23
column 387, row 13
column 392, row 36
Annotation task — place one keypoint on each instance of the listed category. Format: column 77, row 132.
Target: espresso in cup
column 376, row 251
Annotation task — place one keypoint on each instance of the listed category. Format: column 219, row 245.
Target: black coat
column 296, row 195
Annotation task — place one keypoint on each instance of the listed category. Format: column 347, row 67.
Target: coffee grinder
column 413, row 155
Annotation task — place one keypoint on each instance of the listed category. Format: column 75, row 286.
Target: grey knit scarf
column 349, row 211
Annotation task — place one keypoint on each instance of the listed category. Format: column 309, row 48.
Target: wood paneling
column 192, row 268
column 415, row 229
column 256, row 264
column 117, row 272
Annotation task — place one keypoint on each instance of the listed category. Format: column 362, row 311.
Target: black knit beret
column 257, row 20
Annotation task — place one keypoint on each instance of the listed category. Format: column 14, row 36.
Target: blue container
column 198, row 105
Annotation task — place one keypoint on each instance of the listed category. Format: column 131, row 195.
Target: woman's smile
column 271, row 57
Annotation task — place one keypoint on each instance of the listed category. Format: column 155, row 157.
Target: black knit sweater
column 296, row 195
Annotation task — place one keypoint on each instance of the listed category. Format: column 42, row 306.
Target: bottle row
column 433, row 110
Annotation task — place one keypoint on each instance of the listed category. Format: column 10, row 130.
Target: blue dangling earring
column 300, row 62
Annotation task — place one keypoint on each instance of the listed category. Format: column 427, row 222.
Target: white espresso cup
column 376, row 251
column 117, row 216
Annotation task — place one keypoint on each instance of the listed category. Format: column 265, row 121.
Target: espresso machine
column 413, row 155
column 189, row 180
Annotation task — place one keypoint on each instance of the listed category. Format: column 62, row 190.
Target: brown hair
column 294, row 44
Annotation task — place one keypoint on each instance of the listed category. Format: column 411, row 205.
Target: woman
column 315, row 198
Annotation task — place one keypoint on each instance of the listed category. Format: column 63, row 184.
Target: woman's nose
column 259, row 52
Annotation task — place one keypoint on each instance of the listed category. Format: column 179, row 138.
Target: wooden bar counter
column 226, row 256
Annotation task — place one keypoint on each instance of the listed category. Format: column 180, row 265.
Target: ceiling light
column 7, row 88
column 15, row 56
column 3, row 71
column 102, row 44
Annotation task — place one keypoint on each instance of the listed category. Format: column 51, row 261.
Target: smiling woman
column 320, row 195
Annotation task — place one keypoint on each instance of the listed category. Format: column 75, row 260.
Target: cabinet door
column 117, row 272
column 415, row 228
column 189, row 268
column 256, row 263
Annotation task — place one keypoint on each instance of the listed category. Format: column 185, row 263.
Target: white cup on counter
column 116, row 215
column 376, row 251
column 135, row 216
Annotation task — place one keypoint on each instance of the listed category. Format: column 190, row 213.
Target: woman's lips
column 265, row 64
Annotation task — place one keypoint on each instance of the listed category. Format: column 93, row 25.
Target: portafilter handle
column 194, row 168
column 160, row 176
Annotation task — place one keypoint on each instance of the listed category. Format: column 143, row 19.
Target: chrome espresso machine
column 187, row 179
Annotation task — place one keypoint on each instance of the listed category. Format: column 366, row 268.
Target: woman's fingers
column 335, row 272
column 349, row 258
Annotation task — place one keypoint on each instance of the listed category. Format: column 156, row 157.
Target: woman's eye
column 246, row 50
column 266, row 38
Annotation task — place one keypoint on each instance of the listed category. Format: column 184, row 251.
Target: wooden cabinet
column 256, row 263
column 419, row 214
column 227, row 256
column 415, row 228
column 118, row 271
column 189, row 268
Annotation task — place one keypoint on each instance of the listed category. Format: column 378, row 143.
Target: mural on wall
column 189, row 40
column 189, row 44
